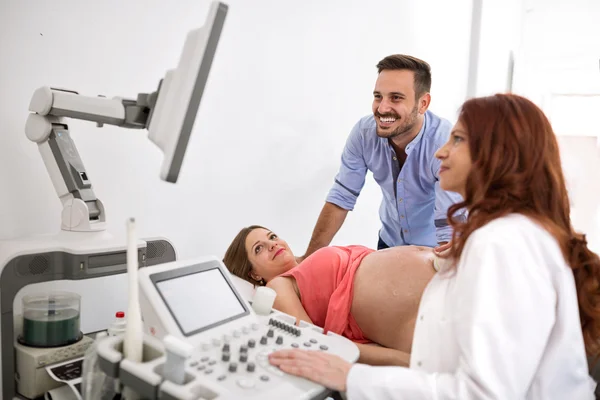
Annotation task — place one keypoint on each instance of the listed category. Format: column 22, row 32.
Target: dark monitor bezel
column 191, row 270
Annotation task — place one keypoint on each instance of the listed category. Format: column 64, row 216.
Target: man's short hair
column 420, row 68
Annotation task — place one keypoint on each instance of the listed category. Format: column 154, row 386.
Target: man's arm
column 443, row 201
column 374, row 354
column 343, row 194
column 328, row 224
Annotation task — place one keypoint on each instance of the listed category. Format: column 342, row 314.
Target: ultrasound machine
column 202, row 338
column 197, row 321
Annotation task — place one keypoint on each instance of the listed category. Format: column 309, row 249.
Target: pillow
column 245, row 288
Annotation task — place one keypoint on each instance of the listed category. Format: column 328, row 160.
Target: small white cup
column 263, row 300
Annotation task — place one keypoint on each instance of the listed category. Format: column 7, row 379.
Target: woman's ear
column 254, row 276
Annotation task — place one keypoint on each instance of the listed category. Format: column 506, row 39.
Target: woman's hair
column 517, row 169
column 236, row 257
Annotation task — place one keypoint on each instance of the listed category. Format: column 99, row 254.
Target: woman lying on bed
column 375, row 305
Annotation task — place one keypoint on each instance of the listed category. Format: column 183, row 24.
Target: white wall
column 289, row 81
column 500, row 37
column 558, row 67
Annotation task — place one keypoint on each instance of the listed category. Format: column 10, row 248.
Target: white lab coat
column 503, row 325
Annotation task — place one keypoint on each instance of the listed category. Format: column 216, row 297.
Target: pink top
column 325, row 280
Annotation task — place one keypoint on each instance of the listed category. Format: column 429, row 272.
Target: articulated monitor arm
column 82, row 210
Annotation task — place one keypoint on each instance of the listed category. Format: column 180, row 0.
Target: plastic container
column 96, row 385
column 51, row 319
column 117, row 327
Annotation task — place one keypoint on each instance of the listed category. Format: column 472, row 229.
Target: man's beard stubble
column 404, row 128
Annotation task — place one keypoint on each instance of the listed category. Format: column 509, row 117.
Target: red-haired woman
column 517, row 306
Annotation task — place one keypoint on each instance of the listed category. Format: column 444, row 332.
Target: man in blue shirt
column 397, row 144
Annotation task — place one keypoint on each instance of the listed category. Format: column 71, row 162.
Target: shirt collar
column 413, row 143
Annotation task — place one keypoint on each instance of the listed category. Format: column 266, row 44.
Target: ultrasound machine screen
column 200, row 300
column 220, row 342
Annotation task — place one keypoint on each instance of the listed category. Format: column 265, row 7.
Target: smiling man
column 397, row 144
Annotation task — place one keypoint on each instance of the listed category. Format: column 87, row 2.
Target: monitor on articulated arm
column 168, row 114
column 179, row 94
column 83, row 249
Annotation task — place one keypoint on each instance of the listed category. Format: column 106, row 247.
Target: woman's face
column 269, row 255
column 456, row 161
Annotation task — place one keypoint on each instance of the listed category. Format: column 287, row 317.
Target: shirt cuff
column 357, row 380
column 340, row 201
column 443, row 234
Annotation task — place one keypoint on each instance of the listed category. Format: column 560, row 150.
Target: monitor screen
column 200, row 300
column 178, row 99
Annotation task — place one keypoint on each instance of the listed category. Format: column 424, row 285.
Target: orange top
column 325, row 280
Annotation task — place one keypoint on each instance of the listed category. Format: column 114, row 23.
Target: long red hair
column 517, row 169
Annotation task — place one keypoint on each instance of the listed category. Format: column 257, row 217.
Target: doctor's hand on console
column 325, row 369
column 514, row 310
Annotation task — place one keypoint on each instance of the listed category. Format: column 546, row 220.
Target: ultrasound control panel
column 197, row 303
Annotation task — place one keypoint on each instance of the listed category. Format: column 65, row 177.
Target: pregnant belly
column 387, row 289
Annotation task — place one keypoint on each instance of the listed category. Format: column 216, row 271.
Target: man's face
column 394, row 105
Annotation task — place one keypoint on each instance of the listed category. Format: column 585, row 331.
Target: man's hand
column 442, row 247
column 323, row 368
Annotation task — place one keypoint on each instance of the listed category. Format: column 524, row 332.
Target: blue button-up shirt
column 414, row 208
